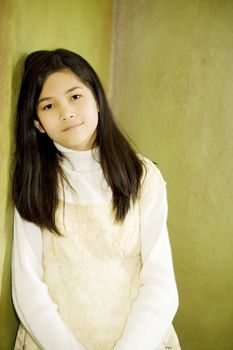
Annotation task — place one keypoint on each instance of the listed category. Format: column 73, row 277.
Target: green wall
column 172, row 91
column 84, row 26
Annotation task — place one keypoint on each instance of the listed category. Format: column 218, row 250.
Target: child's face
column 67, row 111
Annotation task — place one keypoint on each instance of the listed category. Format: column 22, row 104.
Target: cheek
column 96, row 112
column 92, row 114
column 48, row 122
column 96, row 120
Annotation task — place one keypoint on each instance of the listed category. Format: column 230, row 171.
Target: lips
column 72, row 127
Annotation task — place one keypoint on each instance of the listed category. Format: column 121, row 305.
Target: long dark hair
column 38, row 162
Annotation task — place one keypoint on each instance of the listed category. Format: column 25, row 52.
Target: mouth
column 73, row 127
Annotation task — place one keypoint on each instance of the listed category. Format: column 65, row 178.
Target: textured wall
column 83, row 26
column 172, row 91
column 7, row 318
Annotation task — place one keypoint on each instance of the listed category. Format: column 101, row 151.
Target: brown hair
column 37, row 160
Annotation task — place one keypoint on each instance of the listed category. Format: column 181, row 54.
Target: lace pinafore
column 92, row 273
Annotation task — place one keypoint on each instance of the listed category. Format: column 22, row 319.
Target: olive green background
column 170, row 67
column 172, row 91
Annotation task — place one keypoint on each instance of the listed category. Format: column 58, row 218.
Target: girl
column 92, row 266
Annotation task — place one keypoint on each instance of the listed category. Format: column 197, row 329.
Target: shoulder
column 153, row 184
column 151, row 172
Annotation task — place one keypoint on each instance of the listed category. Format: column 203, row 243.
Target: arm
column 32, row 302
column 153, row 310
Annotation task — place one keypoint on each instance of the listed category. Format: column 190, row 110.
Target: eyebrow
column 66, row 92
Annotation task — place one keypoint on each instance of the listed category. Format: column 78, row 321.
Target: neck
column 79, row 160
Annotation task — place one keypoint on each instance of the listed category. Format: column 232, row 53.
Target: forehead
column 61, row 81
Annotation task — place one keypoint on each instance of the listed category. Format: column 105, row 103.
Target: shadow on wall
column 9, row 320
column 8, row 323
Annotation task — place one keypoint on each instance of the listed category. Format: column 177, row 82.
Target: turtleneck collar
column 80, row 160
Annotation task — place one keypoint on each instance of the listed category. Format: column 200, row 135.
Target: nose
column 66, row 113
column 68, row 116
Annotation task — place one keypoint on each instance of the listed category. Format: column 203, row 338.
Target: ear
column 39, row 126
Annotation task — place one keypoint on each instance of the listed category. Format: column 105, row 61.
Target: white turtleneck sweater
column 157, row 301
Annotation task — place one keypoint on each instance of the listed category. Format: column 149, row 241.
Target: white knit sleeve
column 154, row 308
column 32, row 302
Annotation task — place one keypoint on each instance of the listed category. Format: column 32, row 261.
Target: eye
column 49, row 106
column 75, row 97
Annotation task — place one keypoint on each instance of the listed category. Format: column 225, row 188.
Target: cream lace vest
column 93, row 275
column 93, row 271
